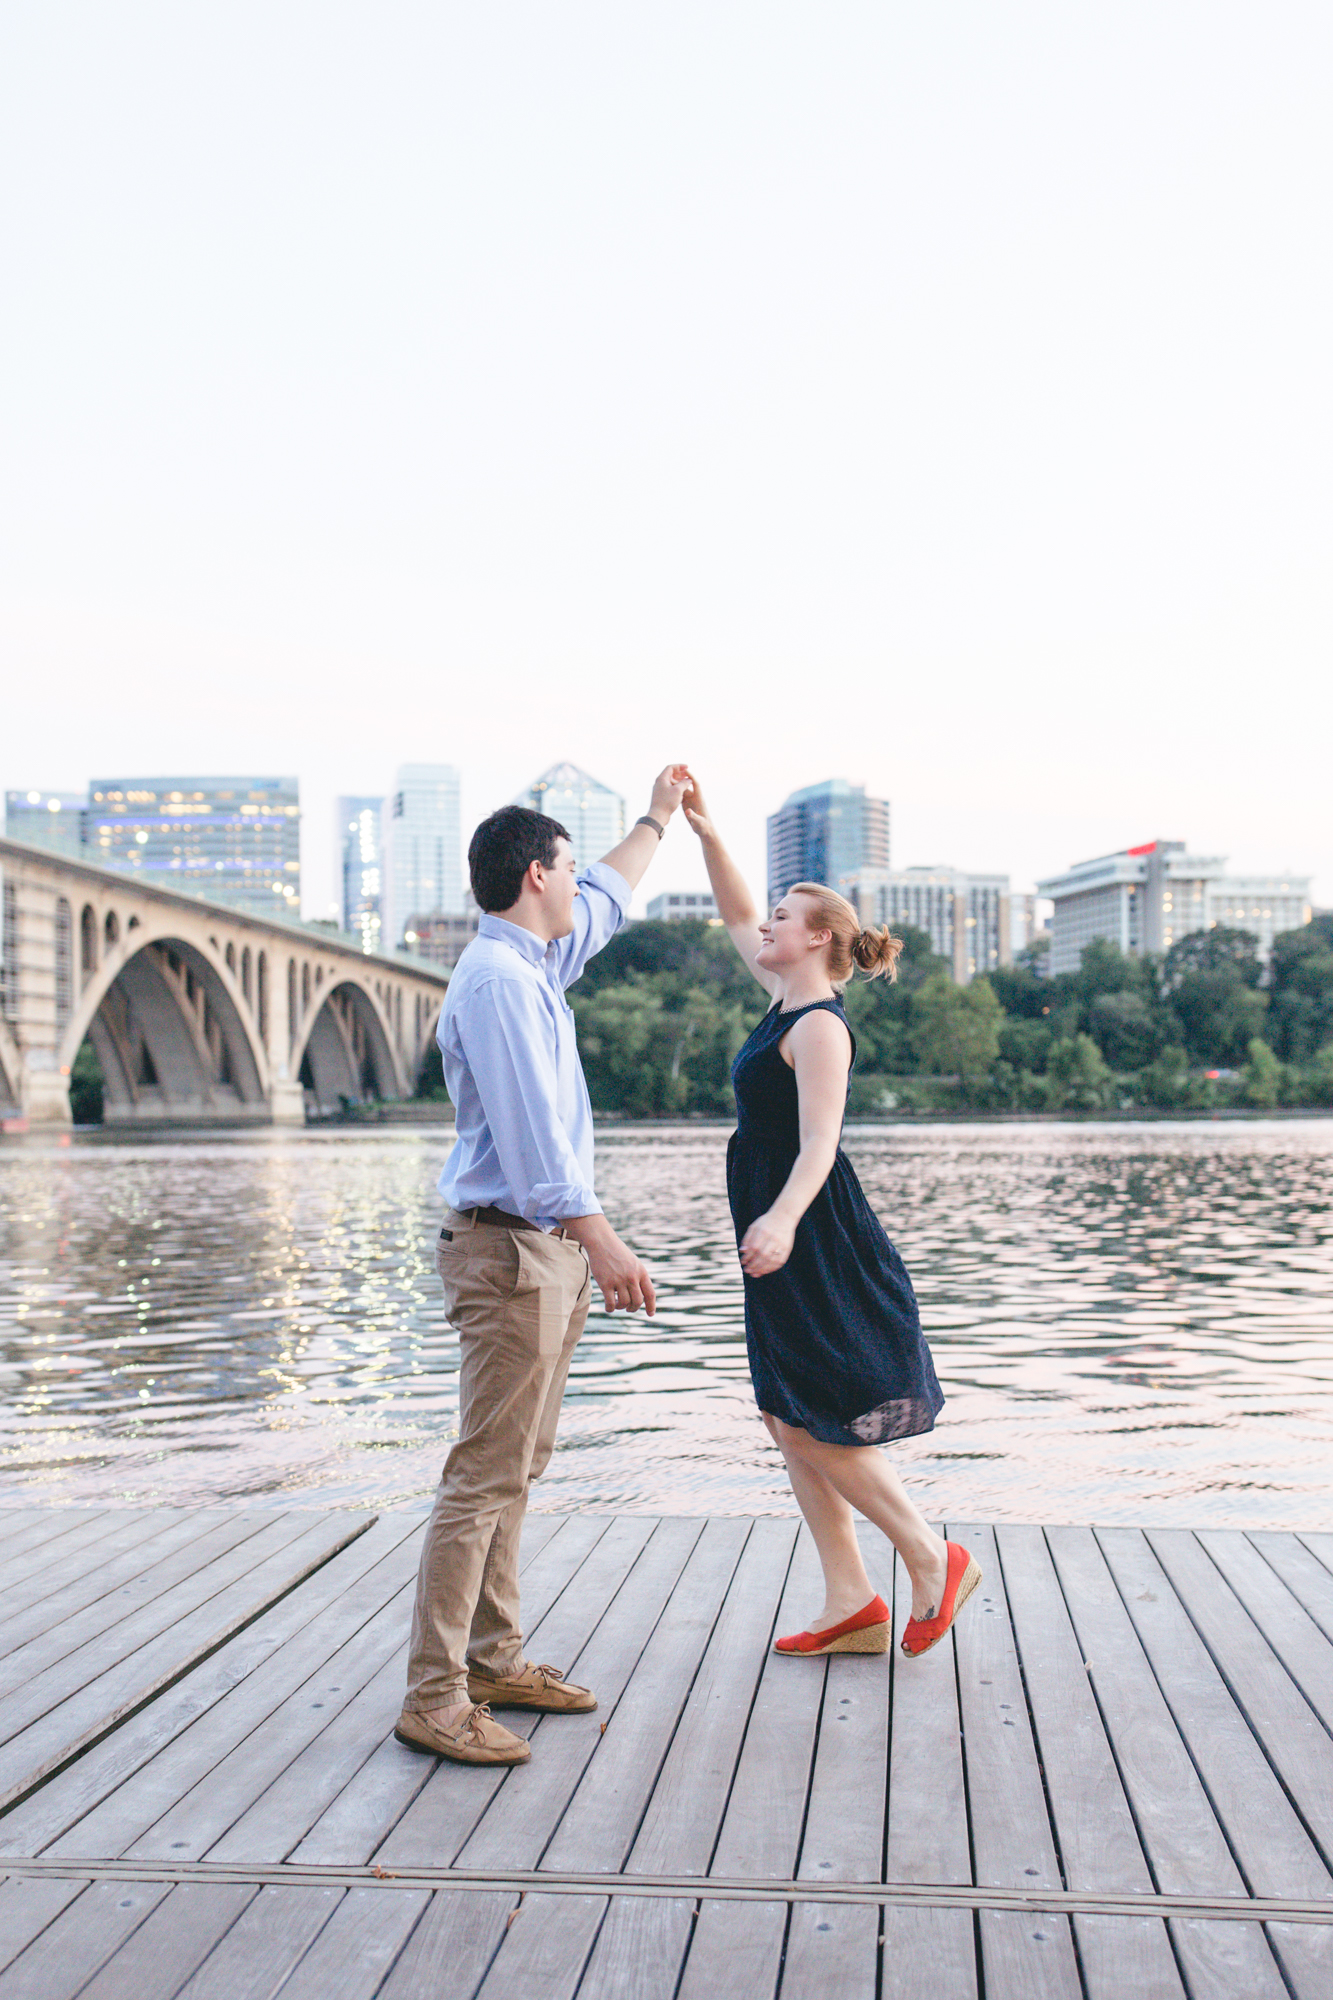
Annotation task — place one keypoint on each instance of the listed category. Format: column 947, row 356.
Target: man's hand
column 623, row 1280
column 669, row 788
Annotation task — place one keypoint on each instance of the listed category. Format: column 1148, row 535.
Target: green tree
column 1076, row 1077
column 1219, row 1015
column 1126, row 1028
column 955, row 1030
column 1217, row 950
column 1262, row 1078
column 1166, row 1082
column 1301, row 970
column 1025, row 1044
column 86, row 1087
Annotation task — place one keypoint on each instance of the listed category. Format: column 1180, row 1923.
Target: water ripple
column 1131, row 1323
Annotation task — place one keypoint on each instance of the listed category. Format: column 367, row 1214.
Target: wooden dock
column 1114, row 1783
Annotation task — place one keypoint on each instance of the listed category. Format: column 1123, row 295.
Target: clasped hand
column 766, row 1245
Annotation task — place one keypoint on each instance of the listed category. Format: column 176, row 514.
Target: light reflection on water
column 1131, row 1323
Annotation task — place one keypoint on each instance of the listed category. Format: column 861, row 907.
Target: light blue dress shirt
column 506, row 1033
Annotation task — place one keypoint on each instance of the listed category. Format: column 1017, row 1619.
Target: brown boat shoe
column 475, row 1738
column 531, row 1687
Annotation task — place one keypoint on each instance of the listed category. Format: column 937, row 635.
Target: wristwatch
column 646, row 819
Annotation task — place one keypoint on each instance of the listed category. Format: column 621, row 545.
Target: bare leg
column 830, row 1520
column 865, row 1480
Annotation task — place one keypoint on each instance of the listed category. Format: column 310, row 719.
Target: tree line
column 663, row 1009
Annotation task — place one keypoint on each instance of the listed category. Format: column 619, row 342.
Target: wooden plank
column 761, row 1828
column 185, row 1758
column 1011, row 1831
column 100, row 1604
column 683, row 1815
column 447, row 1954
column 928, row 1839
column 53, row 1810
column 1265, row 1834
column 627, row 1579
column 524, row 1813
column 736, row 1949
column 26, row 1908
column 639, row 1949
column 1226, row 1960
column 353, row 1953
column 1305, row 1954
column 199, row 1819
column 1287, row 1628
column 61, row 1732
column 602, row 1816
column 1296, row 1742
column 566, row 1588
column 1321, row 1547
column 1098, row 1845
column 545, row 1948
column 45, row 1691
column 82, row 1938
column 163, row 1953
column 1175, row 1819
column 352, row 1729
column 1304, row 1575
column 68, row 1583
column 23, row 1573
column 20, row 1527
column 270, row 1936
column 832, row 1948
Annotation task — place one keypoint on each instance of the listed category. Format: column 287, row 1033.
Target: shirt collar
column 526, row 943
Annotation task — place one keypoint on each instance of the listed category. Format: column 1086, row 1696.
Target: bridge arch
column 344, row 1048
column 171, row 1033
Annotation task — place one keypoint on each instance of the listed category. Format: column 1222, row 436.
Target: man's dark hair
column 502, row 850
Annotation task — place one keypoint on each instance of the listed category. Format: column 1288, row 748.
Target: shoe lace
column 481, row 1712
column 548, row 1674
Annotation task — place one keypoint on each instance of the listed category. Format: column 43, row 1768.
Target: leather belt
column 500, row 1218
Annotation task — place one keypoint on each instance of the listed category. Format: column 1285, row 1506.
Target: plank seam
column 701, row 1888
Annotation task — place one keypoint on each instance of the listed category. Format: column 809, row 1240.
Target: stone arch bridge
column 198, row 1013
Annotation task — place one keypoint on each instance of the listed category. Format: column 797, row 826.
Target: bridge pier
column 287, row 1100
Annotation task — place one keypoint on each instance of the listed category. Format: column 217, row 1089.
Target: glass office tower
column 48, row 819
column 824, row 833
column 422, row 870
column 234, row 840
column 594, row 814
column 356, row 842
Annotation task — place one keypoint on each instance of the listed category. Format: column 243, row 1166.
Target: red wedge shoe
column 865, row 1632
column 920, row 1634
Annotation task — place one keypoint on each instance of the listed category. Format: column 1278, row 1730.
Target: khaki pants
column 519, row 1300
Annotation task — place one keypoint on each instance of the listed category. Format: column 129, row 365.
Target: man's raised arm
column 631, row 857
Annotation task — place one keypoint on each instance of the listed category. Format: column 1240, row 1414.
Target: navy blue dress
column 835, row 1339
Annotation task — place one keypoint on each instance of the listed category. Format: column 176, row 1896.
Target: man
column 524, row 1237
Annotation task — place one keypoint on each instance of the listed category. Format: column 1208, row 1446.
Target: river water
column 1132, row 1323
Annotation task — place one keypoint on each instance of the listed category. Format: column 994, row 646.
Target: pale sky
column 933, row 396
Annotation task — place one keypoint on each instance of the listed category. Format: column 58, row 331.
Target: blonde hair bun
column 875, row 952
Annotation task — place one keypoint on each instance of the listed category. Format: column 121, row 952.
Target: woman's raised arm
column 735, row 905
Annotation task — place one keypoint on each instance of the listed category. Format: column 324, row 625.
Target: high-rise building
column 440, row 940
column 47, row 819
column 675, row 905
column 825, row 833
column 234, row 840
column 966, row 917
column 594, row 814
column 1029, row 919
column 1145, row 899
column 356, row 842
column 421, row 869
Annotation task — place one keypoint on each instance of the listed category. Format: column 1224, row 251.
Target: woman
column 837, row 1356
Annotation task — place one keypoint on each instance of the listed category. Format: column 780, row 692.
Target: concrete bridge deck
column 199, row 1013
column 1114, row 1783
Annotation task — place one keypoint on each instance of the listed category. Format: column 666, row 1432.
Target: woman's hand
column 696, row 812
column 766, row 1245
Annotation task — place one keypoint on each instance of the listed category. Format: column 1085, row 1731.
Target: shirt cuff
column 603, row 876
column 554, row 1202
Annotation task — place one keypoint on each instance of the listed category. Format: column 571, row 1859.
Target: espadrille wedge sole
column 870, row 1639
